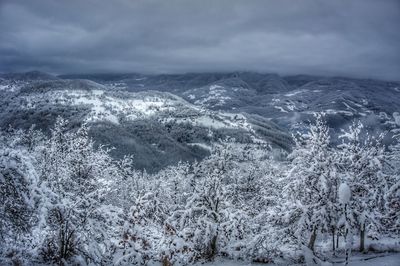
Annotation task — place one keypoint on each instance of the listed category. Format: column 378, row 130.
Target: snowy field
column 374, row 260
column 391, row 259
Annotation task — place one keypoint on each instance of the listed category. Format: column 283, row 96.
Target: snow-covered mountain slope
column 289, row 101
column 196, row 108
column 162, row 127
column 226, row 95
column 375, row 103
column 119, row 107
column 341, row 99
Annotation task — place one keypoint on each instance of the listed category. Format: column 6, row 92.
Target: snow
column 213, row 87
column 280, row 109
column 227, row 262
column 215, row 120
column 349, row 107
column 203, row 120
column 344, row 193
column 215, row 96
column 333, row 112
column 375, row 260
column 201, row 145
column 99, row 111
column 105, row 106
column 295, row 93
column 291, row 106
column 396, row 116
column 9, row 87
column 209, row 122
column 97, row 92
column 365, row 260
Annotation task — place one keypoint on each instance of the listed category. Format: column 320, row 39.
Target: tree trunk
column 333, row 240
column 166, row 262
column 362, row 238
column 337, row 240
column 313, row 237
column 212, row 248
column 347, row 247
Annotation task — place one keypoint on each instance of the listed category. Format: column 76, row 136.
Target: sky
column 357, row 38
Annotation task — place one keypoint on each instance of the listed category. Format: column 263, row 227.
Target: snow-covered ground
column 391, row 259
column 374, row 260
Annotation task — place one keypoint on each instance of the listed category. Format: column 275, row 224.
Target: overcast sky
column 359, row 38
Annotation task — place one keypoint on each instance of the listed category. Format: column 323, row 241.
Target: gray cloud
column 351, row 38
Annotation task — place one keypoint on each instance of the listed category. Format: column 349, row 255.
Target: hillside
column 289, row 101
column 159, row 128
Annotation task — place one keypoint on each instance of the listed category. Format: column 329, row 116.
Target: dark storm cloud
column 352, row 38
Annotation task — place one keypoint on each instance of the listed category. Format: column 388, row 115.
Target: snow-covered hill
column 164, row 128
column 288, row 101
column 195, row 108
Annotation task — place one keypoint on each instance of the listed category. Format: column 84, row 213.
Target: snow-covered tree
column 391, row 219
column 67, row 201
column 79, row 175
column 312, row 183
column 361, row 162
column 141, row 231
column 19, row 196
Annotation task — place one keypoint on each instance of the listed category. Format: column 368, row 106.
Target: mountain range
column 164, row 119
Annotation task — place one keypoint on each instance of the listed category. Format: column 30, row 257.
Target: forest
column 67, row 201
